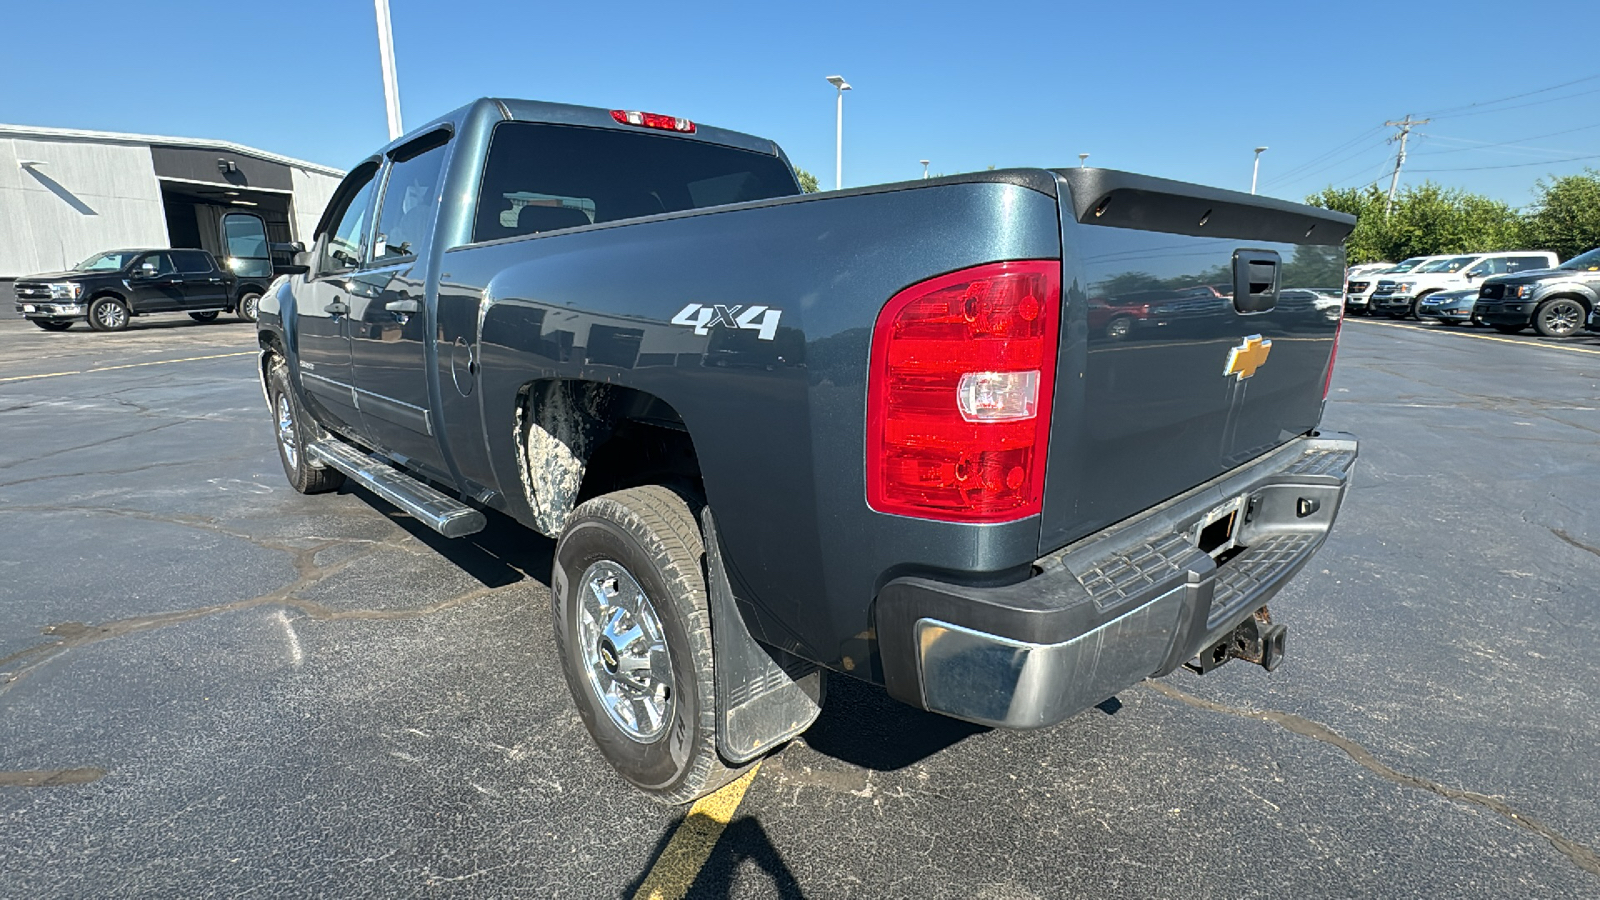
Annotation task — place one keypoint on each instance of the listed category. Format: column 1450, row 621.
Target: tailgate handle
column 1255, row 280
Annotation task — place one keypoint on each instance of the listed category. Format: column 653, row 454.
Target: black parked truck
column 868, row 431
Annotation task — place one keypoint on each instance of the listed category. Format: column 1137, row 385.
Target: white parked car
column 1358, row 288
column 1400, row 296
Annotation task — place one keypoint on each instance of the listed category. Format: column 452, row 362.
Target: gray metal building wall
column 66, row 195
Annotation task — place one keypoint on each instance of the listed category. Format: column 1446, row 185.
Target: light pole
column 838, row 145
column 1257, row 170
column 1082, row 157
column 391, row 82
column 924, row 169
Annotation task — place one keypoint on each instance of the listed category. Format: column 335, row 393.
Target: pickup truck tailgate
column 1195, row 339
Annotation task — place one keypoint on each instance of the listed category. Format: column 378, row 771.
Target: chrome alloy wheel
column 286, row 436
column 112, row 316
column 624, row 651
column 1562, row 319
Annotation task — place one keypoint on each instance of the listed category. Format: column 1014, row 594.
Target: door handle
column 337, row 308
column 407, row 306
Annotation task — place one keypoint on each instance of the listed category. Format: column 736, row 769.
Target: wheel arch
column 577, row 439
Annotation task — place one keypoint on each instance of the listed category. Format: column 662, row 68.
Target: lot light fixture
column 838, row 141
column 1257, row 170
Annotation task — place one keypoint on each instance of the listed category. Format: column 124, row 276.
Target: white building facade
column 66, row 194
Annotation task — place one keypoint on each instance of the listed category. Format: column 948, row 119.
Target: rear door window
column 1526, row 263
column 531, row 183
column 192, row 262
column 410, row 198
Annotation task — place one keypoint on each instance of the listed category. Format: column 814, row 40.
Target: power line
column 1320, row 157
column 1484, row 112
column 1290, row 177
column 1542, row 162
column 1455, row 109
column 1489, row 145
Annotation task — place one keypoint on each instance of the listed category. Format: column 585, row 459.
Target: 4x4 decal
column 703, row 318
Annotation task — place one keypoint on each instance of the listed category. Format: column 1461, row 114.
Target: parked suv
column 1555, row 301
column 1359, row 286
column 110, row 288
column 1400, row 297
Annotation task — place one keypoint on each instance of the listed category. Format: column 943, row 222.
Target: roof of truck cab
column 476, row 115
column 595, row 117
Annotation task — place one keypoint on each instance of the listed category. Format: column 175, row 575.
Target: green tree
column 1367, row 243
column 1566, row 215
column 1427, row 219
column 808, row 181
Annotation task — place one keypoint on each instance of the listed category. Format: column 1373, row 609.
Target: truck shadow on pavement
column 502, row 554
column 743, row 841
column 863, row 726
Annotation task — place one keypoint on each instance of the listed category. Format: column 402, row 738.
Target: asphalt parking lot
column 210, row 685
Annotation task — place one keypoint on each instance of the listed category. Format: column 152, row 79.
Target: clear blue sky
column 1178, row 89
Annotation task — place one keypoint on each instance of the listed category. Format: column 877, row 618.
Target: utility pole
column 1400, row 158
column 391, row 84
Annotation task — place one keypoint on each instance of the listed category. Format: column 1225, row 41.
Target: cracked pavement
column 210, row 685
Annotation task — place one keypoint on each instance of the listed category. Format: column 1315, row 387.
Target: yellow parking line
column 691, row 844
column 1481, row 337
column 158, row 362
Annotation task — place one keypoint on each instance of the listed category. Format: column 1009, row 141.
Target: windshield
column 1406, row 265
column 104, row 262
column 1583, row 262
column 1446, row 265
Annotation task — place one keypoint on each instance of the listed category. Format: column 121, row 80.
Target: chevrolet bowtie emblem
column 1249, row 356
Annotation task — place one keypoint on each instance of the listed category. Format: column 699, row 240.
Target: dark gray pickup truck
column 881, row 432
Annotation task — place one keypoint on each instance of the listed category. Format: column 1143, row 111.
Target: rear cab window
column 540, row 178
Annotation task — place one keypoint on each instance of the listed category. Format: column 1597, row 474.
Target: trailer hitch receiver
column 1256, row 640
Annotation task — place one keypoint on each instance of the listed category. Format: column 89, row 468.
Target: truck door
column 156, row 285
column 203, row 286
column 389, row 315
column 322, row 310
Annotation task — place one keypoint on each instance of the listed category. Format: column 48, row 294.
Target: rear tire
column 49, row 325
column 207, row 316
column 1559, row 317
column 1119, row 328
column 295, row 432
column 628, row 568
column 108, row 314
column 249, row 306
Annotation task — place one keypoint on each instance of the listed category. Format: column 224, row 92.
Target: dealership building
column 66, row 194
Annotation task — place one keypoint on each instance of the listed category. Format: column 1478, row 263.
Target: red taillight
column 652, row 120
column 958, row 398
column 1333, row 354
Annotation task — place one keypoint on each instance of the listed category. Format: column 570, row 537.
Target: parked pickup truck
column 1555, row 301
column 870, row 431
column 109, row 289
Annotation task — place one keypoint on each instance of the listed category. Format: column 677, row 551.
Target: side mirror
column 1471, row 275
column 300, row 265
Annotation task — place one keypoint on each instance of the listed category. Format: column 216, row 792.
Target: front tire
column 1119, row 328
column 295, row 432
column 51, row 325
column 109, row 314
column 249, row 306
column 1559, row 317
column 207, row 316
column 633, row 627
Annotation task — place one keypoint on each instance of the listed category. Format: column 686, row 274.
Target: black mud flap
column 764, row 696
